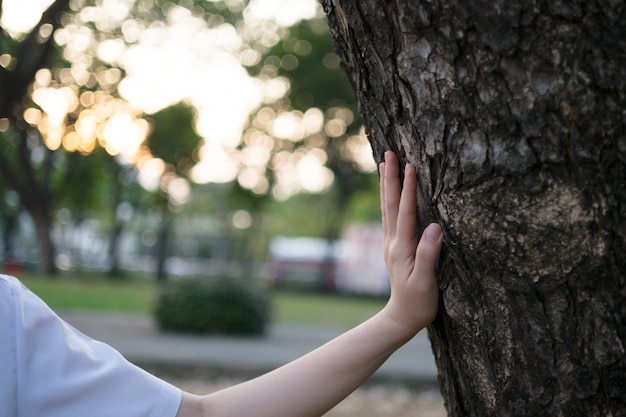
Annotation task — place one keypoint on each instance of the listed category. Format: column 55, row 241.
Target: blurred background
column 170, row 139
column 194, row 166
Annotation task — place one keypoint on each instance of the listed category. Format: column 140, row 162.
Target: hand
column 411, row 266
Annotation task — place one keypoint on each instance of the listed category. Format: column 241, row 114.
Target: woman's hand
column 411, row 266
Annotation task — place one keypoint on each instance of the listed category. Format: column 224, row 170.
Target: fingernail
column 381, row 168
column 387, row 154
column 433, row 232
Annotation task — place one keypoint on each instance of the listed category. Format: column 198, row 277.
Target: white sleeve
column 60, row 372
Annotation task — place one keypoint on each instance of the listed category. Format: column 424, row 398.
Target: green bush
column 223, row 305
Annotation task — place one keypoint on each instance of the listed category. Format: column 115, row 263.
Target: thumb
column 428, row 250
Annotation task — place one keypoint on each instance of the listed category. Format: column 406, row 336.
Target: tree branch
column 32, row 55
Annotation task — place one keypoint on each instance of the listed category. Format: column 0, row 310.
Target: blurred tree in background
column 105, row 95
column 174, row 141
column 9, row 212
column 26, row 166
column 331, row 130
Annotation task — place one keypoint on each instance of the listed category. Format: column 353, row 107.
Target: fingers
column 407, row 211
column 399, row 214
column 398, row 204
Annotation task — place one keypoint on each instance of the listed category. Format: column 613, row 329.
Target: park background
column 157, row 141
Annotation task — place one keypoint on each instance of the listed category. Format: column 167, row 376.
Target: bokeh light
column 124, row 65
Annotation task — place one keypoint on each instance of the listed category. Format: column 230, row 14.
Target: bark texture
column 514, row 113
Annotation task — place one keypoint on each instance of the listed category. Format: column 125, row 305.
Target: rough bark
column 514, row 114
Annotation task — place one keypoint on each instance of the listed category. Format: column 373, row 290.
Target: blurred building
column 354, row 264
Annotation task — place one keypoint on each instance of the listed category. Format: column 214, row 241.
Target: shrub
column 223, row 305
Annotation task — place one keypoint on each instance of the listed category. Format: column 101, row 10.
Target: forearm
column 314, row 383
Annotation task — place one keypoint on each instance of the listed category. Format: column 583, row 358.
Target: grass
column 323, row 309
column 99, row 295
column 95, row 292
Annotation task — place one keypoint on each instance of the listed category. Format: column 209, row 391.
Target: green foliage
column 244, row 199
column 300, row 215
column 173, row 138
column 223, row 305
column 83, row 182
column 309, row 214
column 307, row 57
column 364, row 206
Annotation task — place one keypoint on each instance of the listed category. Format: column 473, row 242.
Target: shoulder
column 9, row 291
column 12, row 291
column 6, row 280
column 8, row 285
column 8, row 288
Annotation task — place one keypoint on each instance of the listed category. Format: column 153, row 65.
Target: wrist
column 398, row 328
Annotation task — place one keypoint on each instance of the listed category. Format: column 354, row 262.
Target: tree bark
column 513, row 111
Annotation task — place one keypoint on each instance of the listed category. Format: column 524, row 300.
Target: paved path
column 138, row 339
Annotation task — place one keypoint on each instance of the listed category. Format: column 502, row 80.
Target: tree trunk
column 113, row 250
column 10, row 217
column 43, row 224
column 117, row 221
column 32, row 54
column 163, row 241
column 33, row 186
column 514, row 114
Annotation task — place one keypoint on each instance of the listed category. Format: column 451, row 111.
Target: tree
column 42, row 157
column 513, row 113
column 317, row 81
column 25, row 173
column 9, row 222
column 173, row 140
column 39, row 77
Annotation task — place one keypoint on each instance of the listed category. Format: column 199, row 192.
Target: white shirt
column 50, row 369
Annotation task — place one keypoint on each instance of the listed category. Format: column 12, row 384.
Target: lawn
column 323, row 309
column 89, row 293
column 93, row 292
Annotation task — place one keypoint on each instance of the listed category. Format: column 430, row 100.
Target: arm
column 314, row 383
